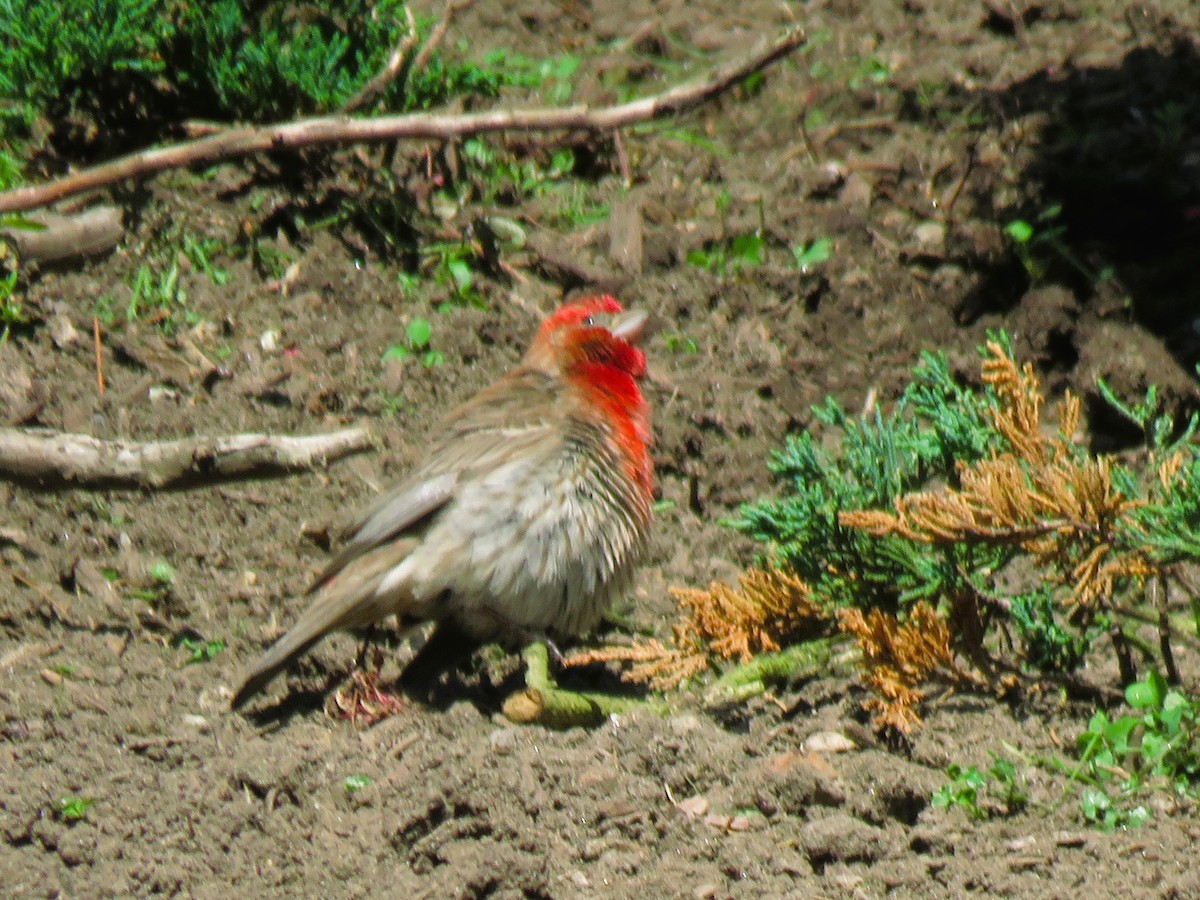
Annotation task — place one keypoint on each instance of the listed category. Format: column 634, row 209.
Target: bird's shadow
column 443, row 673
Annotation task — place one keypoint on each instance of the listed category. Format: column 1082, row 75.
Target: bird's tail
column 349, row 600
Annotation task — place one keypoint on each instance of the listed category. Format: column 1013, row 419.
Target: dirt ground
column 907, row 133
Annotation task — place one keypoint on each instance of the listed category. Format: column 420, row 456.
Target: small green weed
column 680, row 343
column 12, row 310
column 741, row 252
column 732, row 253
column 1124, row 757
column 159, row 296
column 967, row 786
column 200, row 651
column 418, row 336
column 355, row 783
column 555, row 76
column 870, row 70
column 453, row 265
column 503, row 176
column 105, row 308
column 393, row 404
column 1042, row 242
column 199, row 252
column 71, row 809
column 576, row 208
column 809, row 256
column 162, row 580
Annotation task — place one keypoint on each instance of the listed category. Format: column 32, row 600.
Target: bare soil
column 909, row 134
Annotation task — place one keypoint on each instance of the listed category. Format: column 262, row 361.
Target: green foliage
column 1123, row 758
column 12, row 310
column 199, row 251
column 267, row 61
column 968, row 787
column 162, row 573
column 501, row 175
column 355, row 783
column 200, row 651
column 809, row 256
column 157, row 293
column 159, row 586
column 677, row 342
column 935, row 431
column 54, row 52
column 740, row 252
column 868, row 71
column 418, row 336
column 132, row 60
column 72, row 809
column 877, row 457
column 1042, row 243
column 453, row 265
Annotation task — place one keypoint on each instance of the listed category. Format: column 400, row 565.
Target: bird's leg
column 515, row 635
column 369, row 644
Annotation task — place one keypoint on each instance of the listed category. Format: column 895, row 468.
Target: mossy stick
column 804, row 660
column 543, row 702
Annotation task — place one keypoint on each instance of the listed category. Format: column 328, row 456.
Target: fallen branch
column 245, row 141
column 543, row 702
column 809, row 659
column 55, row 237
column 78, row 460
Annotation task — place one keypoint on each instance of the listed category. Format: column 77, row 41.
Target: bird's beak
column 632, row 326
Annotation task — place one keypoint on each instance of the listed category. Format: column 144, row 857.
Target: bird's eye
column 589, row 322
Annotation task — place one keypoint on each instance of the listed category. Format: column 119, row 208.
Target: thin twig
column 623, row 160
column 99, row 355
column 325, row 130
column 439, row 33
column 58, row 458
column 956, row 191
column 370, row 91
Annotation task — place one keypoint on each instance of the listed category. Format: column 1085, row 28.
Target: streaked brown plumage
column 528, row 514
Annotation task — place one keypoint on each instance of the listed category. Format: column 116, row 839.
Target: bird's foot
column 543, row 702
column 363, row 701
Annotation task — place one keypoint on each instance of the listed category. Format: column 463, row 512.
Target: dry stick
column 623, row 161
column 99, row 355
column 1162, row 596
column 378, row 84
column 91, row 232
column 59, row 458
column 439, row 33
column 341, row 129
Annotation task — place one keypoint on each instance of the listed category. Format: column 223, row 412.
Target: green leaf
column 418, row 333
column 1147, row 694
column 461, row 272
column 813, row 254
column 74, row 809
column 162, row 573
column 1020, row 231
column 749, row 249
column 396, row 351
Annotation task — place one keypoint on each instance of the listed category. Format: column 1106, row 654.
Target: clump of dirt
column 909, row 135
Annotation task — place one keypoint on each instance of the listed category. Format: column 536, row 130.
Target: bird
column 527, row 516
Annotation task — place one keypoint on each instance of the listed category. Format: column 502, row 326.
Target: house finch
column 526, row 516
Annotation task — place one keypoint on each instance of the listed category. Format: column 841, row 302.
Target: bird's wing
column 474, row 438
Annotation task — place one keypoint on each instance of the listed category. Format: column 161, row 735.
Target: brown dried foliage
column 767, row 610
column 1044, row 493
column 899, row 658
